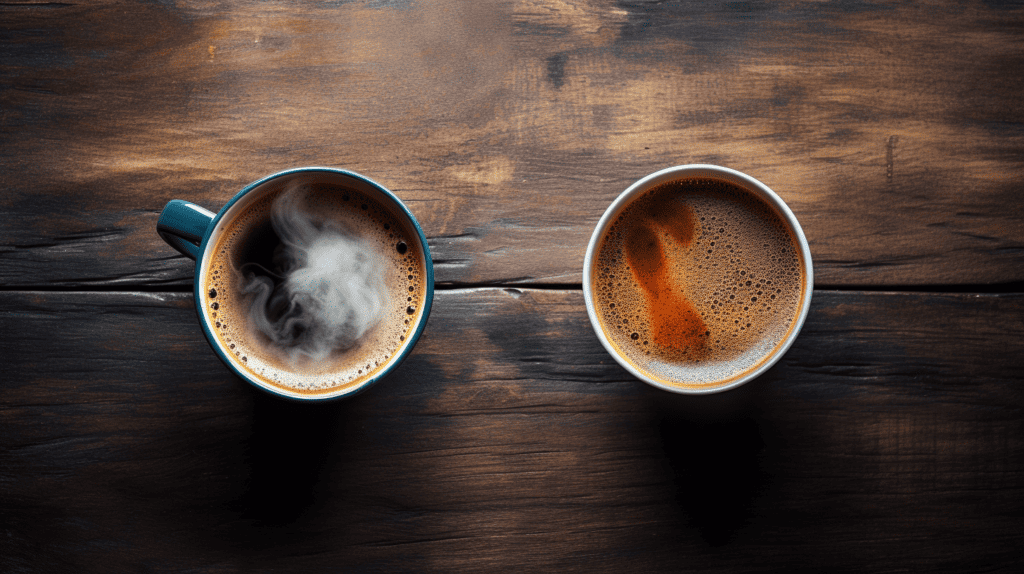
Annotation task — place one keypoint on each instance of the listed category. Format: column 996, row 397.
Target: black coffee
column 314, row 287
column 697, row 280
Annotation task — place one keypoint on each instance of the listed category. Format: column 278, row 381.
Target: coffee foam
column 729, row 285
column 401, row 269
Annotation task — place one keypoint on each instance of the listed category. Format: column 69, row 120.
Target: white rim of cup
column 712, row 172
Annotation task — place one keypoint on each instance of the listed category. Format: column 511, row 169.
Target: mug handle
column 182, row 225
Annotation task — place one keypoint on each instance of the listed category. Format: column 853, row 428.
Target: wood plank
column 896, row 133
column 888, row 438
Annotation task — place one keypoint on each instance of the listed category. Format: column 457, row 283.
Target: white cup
column 693, row 378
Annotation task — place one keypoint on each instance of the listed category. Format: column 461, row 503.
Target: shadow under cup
column 248, row 267
column 697, row 279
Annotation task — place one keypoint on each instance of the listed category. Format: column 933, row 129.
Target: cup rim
column 406, row 349
column 748, row 183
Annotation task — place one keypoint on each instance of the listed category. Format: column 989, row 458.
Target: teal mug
column 312, row 283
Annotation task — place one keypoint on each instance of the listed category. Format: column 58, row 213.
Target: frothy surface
column 372, row 227
column 697, row 281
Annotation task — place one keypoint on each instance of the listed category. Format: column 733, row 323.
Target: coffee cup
column 697, row 279
column 312, row 283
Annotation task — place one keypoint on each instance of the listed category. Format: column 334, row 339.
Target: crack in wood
column 890, row 148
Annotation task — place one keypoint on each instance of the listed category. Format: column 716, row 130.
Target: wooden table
column 889, row 438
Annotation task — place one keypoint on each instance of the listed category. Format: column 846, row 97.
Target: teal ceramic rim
column 394, row 362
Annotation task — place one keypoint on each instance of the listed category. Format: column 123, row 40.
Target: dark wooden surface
column 889, row 438
column 896, row 134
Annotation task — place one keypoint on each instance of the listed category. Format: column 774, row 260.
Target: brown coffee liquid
column 251, row 240
column 697, row 281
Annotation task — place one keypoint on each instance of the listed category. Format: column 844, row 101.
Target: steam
column 328, row 291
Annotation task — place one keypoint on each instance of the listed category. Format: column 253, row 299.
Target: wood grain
column 888, row 438
column 894, row 132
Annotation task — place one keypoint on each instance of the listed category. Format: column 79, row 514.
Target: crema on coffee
column 697, row 281
column 249, row 269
